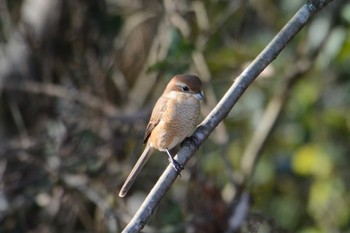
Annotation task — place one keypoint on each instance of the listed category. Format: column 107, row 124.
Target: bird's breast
column 177, row 122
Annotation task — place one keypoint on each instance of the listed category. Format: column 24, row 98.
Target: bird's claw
column 176, row 165
column 190, row 140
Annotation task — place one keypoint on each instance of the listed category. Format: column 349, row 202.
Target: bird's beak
column 199, row 95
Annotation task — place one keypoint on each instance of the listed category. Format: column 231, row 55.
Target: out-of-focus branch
column 79, row 182
column 5, row 18
column 64, row 93
column 220, row 135
column 84, row 98
column 275, row 108
column 223, row 108
column 38, row 21
column 158, row 51
column 270, row 117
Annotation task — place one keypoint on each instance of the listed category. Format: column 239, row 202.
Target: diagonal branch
column 275, row 106
column 224, row 107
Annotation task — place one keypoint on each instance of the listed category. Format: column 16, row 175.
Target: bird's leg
column 177, row 167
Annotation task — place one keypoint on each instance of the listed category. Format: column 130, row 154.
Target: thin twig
column 223, row 108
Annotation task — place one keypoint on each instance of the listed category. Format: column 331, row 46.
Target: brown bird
column 173, row 119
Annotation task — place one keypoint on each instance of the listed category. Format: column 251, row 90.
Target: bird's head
column 186, row 84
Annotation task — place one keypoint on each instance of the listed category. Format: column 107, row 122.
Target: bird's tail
column 136, row 170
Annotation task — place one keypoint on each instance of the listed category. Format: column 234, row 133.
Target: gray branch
column 223, row 108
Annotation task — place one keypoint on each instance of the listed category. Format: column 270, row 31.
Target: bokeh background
column 79, row 79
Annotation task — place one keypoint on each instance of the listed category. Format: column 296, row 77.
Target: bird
column 173, row 119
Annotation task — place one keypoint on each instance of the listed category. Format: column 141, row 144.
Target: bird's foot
column 176, row 165
column 190, row 141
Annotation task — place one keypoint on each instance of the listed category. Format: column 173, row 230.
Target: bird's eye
column 185, row 88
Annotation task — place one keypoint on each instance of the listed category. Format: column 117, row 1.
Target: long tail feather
column 136, row 170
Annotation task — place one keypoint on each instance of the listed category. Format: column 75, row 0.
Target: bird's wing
column 157, row 114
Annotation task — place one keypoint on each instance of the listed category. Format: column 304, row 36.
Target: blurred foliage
column 71, row 127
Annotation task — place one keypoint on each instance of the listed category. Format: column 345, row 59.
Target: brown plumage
column 173, row 119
